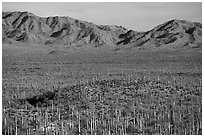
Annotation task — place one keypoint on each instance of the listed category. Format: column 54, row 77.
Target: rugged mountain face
column 171, row 33
column 26, row 27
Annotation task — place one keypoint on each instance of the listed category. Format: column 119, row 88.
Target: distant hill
column 27, row 27
column 172, row 33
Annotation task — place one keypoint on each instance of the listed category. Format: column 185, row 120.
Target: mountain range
column 29, row 28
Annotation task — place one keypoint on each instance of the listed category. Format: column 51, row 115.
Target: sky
column 132, row 15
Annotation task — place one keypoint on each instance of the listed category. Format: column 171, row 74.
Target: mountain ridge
column 27, row 27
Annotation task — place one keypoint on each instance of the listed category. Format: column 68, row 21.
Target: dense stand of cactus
column 110, row 107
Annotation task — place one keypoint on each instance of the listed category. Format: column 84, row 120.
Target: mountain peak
column 179, row 33
column 27, row 27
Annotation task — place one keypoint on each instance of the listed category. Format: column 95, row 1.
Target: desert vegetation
column 139, row 93
column 64, row 76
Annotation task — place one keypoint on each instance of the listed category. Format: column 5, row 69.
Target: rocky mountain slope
column 27, row 27
column 171, row 33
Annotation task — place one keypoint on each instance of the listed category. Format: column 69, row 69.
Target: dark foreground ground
column 100, row 92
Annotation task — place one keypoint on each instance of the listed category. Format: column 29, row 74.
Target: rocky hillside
column 171, row 33
column 26, row 27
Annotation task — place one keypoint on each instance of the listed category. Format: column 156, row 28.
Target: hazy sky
column 136, row 15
